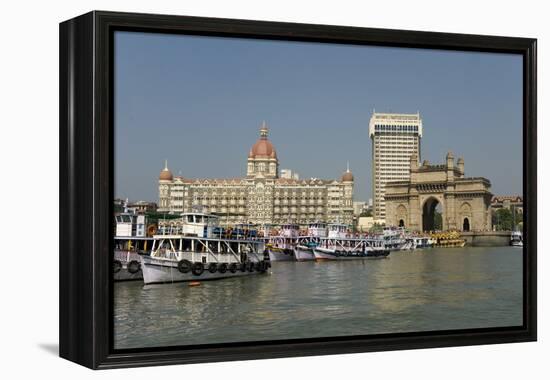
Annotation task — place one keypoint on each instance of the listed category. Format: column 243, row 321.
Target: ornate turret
column 347, row 176
column 165, row 174
column 450, row 160
column 450, row 166
column 460, row 165
column 262, row 158
column 263, row 147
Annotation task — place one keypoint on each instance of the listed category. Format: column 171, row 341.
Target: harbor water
column 421, row 290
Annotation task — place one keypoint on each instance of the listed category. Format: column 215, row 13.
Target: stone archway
column 427, row 186
column 429, row 210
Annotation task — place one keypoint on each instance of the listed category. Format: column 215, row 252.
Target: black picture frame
column 86, row 188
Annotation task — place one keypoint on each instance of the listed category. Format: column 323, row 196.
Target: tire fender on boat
column 197, row 268
column 184, row 266
column 134, row 266
column 222, row 268
column 212, row 267
column 233, row 267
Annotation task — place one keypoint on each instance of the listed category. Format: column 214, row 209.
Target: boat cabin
column 247, row 230
column 317, row 229
column 337, row 230
column 290, row 230
column 191, row 224
column 129, row 224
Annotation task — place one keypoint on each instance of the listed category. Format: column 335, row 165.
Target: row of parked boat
column 195, row 247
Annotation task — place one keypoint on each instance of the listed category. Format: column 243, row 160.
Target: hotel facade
column 263, row 196
column 395, row 138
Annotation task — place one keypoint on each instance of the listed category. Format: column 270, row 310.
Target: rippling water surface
column 433, row 289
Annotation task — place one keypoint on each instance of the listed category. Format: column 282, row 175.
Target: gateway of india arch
column 464, row 202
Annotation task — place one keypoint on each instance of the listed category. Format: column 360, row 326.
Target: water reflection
column 410, row 291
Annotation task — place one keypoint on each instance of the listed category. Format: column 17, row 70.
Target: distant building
column 508, row 202
column 365, row 223
column 142, row 207
column 289, row 174
column 395, row 138
column 359, row 208
column 262, row 197
column 119, row 205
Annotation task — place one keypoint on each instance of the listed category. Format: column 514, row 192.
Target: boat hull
column 322, row 254
column 162, row 271
column 123, row 271
column 281, row 254
column 304, row 254
column 125, row 275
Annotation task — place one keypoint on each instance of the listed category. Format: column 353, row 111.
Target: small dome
column 165, row 174
column 263, row 147
column 347, row 177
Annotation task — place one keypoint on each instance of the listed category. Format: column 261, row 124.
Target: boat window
column 118, row 219
column 190, row 218
column 198, row 218
column 126, row 219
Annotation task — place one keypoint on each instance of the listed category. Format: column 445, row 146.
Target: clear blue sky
column 199, row 101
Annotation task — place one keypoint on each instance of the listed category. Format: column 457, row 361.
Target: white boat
column 395, row 239
column 338, row 245
column 516, row 239
column 305, row 249
column 282, row 246
column 197, row 250
column 419, row 242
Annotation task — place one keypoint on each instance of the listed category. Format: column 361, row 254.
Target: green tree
column 503, row 220
column 366, row 213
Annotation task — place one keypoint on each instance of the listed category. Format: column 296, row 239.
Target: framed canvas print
column 238, row 189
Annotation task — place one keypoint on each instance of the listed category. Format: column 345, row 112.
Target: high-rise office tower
column 395, row 138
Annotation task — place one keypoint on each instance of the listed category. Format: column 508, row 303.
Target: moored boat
column 197, row 250
column 282, row 246
column 305, row 249
column 516, row 239
column 339, row 245
column 395, row 239
column 322, row 253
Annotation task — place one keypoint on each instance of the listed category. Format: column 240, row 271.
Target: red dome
column 165, row 174
column 263, row 147
column 347, row 177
